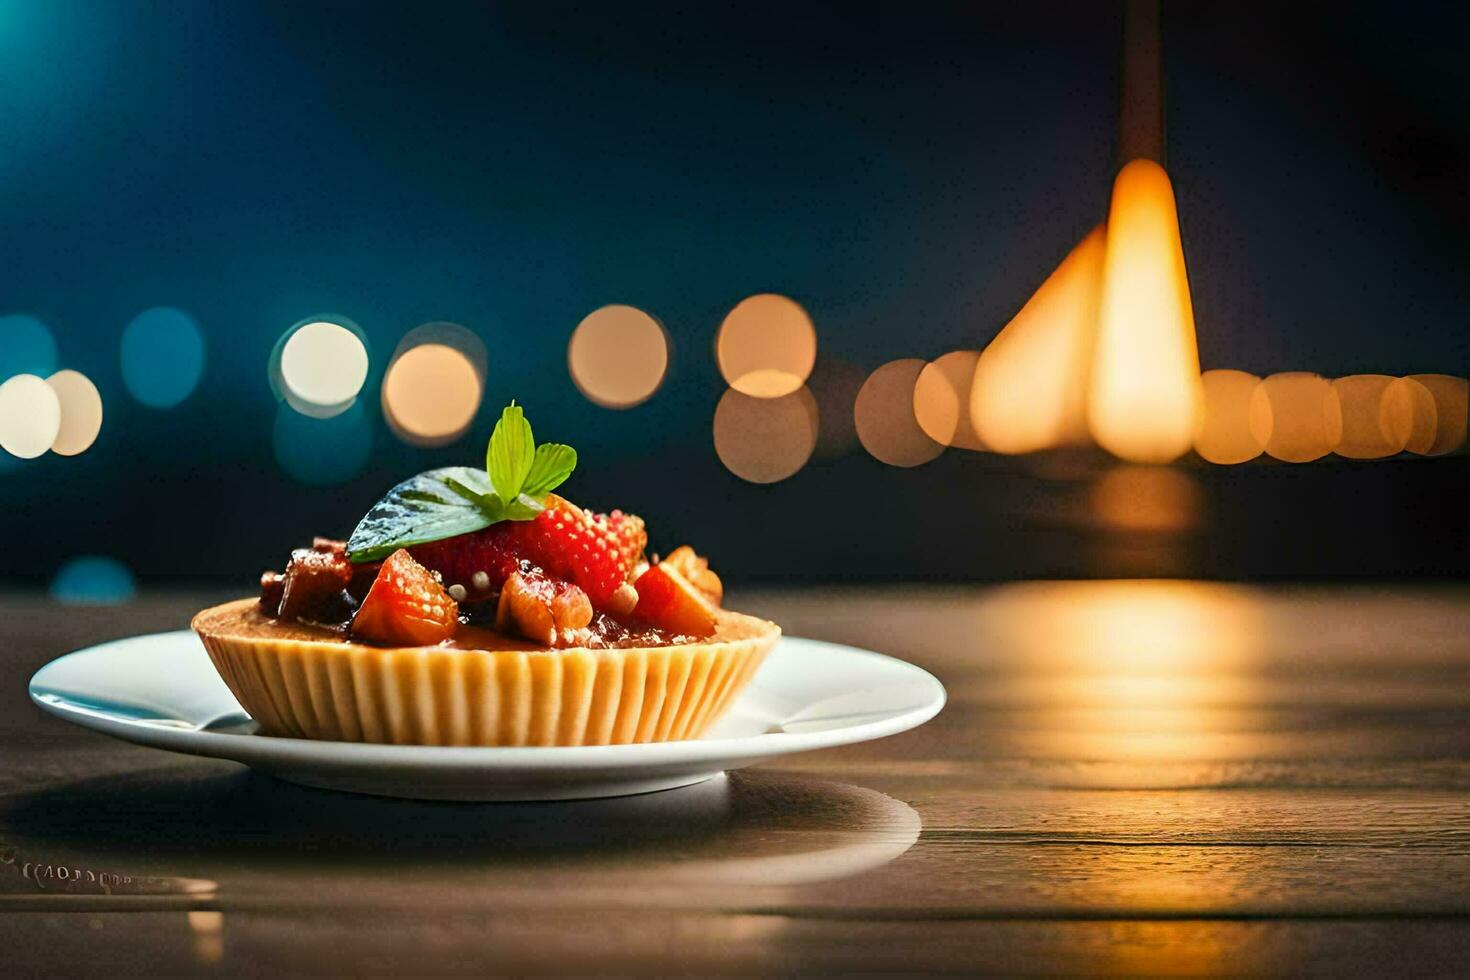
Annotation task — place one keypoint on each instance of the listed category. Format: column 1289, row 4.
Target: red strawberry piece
column 594, row 551
column 668, row 601
column 406, row 606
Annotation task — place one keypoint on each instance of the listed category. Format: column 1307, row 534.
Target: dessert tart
column 476, row 607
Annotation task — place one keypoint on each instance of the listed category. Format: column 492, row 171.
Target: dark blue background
column 909, row 173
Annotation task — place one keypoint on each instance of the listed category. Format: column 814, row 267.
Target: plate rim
column 256, row 749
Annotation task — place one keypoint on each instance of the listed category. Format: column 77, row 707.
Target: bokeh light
column 1290, row 416
column 162, row 356
column 319, row 366
column 884, row 416
column 81, row 412
column 1371, row 416
column 1451, row 397
column 618, row 356
column 93, row 580
column 767, row 345
column 26, row 346
column 323, row 452
column 764, row 440
column 1147, row 499
column 1030, row 386
column 1224, row 434
column 30, row 416
column 1423, row 417
column 1144, row 396
column 942, row 399
column 434, row 384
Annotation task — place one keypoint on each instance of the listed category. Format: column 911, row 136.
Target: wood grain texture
column 1130, row 778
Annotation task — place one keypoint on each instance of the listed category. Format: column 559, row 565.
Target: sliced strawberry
column 406, row 606
column 695, row 568
column 667, row 600
column 594, row 551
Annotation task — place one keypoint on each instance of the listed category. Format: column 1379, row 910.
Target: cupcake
column 476, row 607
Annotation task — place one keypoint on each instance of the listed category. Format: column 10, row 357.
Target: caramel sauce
column 248, row 621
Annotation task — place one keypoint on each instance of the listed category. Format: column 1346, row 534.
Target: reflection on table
column 1130, row 777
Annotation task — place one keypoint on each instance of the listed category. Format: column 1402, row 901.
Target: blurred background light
column 434, row 384
column 1423, row 417
column 81, row 412
column 1146, row 499
column 765, row 440
column 93, row 580
column 26, row 346
column 323, row 451
column 319, row 366
column 767, row 346
column 942, row 399
column 1144, row 396
column 1030, row 386
column 1451, row 397
column 162, row 356
column 884, row 416
column 1225, row 434
column 618, row 356
column 30, row 416
column 1371, row 416
column 1290, row 415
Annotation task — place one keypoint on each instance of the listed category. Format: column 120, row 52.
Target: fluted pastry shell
column 305, row 683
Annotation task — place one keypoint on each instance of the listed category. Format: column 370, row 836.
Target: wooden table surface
column 1130, row 778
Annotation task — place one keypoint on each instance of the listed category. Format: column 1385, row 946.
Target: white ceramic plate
column 161, row 690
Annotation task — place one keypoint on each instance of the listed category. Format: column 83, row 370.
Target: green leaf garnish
column 550, row 468
column 427, row 507
column 512, row 450
column 455, row 500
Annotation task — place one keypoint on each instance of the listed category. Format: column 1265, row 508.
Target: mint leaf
column 455, row 500
column 471, row 494
column 523, row 508
column 512, row 450
column 428, row 507
column 550, row 468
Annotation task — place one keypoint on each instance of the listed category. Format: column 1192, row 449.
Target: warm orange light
column 1031, row 382
column 430, row 394
column 767, row 346
column 618, row 356
column 1224, row 434
column 765, row 440
column 1292, row 415
column 1372, row 416
column 1145, row 391
column 1450, row 395
column 884, row 416
column 942, row 399
column 1147, row 499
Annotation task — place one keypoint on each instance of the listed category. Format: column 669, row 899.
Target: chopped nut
column 525, row 611
column 571, row 609
column 623, row 600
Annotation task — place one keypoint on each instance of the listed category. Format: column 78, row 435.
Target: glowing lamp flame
column 1145, row 390
column 1031, row 381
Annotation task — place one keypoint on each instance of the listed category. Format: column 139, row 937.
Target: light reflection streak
column 1135, row 671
